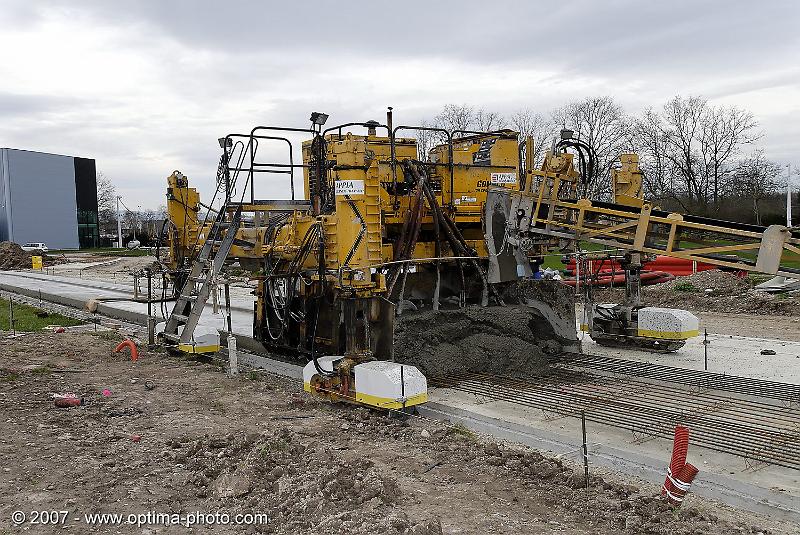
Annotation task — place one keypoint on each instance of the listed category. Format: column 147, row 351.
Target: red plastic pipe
column 681, row 482
column 680, row 447
column 131, row 345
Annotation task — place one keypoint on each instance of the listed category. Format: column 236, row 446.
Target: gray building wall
column 40, row 203
column 5, row 197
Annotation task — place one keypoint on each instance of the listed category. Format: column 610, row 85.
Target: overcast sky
column 147, row 87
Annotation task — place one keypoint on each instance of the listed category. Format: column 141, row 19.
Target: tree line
column 145, row 225
column 696, row 157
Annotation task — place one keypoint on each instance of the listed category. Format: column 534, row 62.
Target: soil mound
column 538, row 320
column 12, row 256
column 712, row 291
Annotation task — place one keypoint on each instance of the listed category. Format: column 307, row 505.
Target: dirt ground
column 712, row 291
column 200, row 441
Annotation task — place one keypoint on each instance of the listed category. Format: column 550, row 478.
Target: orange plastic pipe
column 131, row 345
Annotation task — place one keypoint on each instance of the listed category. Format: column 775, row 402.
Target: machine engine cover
column 667, row 323
column 390, row 385
column 378, row 383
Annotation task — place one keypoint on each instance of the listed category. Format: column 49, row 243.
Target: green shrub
column 685, row 286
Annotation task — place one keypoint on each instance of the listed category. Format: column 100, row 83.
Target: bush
column 686, row 286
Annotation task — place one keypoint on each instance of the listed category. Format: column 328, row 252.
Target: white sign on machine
column 349, row 187
column 504, row 178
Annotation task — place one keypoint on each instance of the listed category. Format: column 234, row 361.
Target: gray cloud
column 146, row 87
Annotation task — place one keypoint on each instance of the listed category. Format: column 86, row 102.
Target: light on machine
column 318, row 118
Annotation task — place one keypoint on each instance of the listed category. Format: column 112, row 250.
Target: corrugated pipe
column 680, row 447
column 680, row 483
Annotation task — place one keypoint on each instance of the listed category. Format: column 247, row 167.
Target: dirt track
column 255, row 444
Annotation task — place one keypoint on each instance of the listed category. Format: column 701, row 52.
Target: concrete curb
column 91, row 284
column 102, row 309
column 714, row 486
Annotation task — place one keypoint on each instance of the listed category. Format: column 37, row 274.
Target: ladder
column 205, row 267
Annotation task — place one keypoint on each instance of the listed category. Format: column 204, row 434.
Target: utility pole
column 136, row 221
column 119, row 225
column 788, row 195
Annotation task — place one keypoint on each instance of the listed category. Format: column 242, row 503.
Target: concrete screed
column 722, row 476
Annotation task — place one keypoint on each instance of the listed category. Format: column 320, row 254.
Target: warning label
column 504, row 178
column 349, row 187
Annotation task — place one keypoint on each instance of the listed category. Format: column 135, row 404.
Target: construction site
column 383, row 352
column 424, row 268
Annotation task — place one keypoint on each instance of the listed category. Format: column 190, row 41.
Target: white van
column 35, row 246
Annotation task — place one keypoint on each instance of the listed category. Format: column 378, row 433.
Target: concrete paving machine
column 380, row 231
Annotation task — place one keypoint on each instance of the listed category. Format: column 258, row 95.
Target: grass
column 8, row 376
column 788, row 260
column 104, row 251
column 27, row 320
column 462, row 430
column 553, row 259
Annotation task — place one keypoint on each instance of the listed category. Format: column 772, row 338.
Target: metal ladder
column 205, row 267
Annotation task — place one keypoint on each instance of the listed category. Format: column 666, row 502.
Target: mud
column 538, row 320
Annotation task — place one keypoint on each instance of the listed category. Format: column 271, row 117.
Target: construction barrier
column 679, row 267
column 609, row 278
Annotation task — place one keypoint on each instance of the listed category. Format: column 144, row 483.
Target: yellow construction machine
column 552, row 208
column 382, row 230
column 378, row 229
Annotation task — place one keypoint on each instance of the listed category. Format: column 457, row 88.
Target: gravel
column 712, row 291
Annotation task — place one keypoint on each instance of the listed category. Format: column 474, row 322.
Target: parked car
column 35, row 246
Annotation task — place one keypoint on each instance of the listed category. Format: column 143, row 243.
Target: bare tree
column 651, row 146
column 488, row 121
column 725, row 130
column 690, row 149
column 106, row 193
column 756, row 179
column 601, row 123
column 542, row 130
column 426, row 139
column 106, row 203
column 464, row 117
column 454, row 117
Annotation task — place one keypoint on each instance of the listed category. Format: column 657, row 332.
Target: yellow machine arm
column 548, row 211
